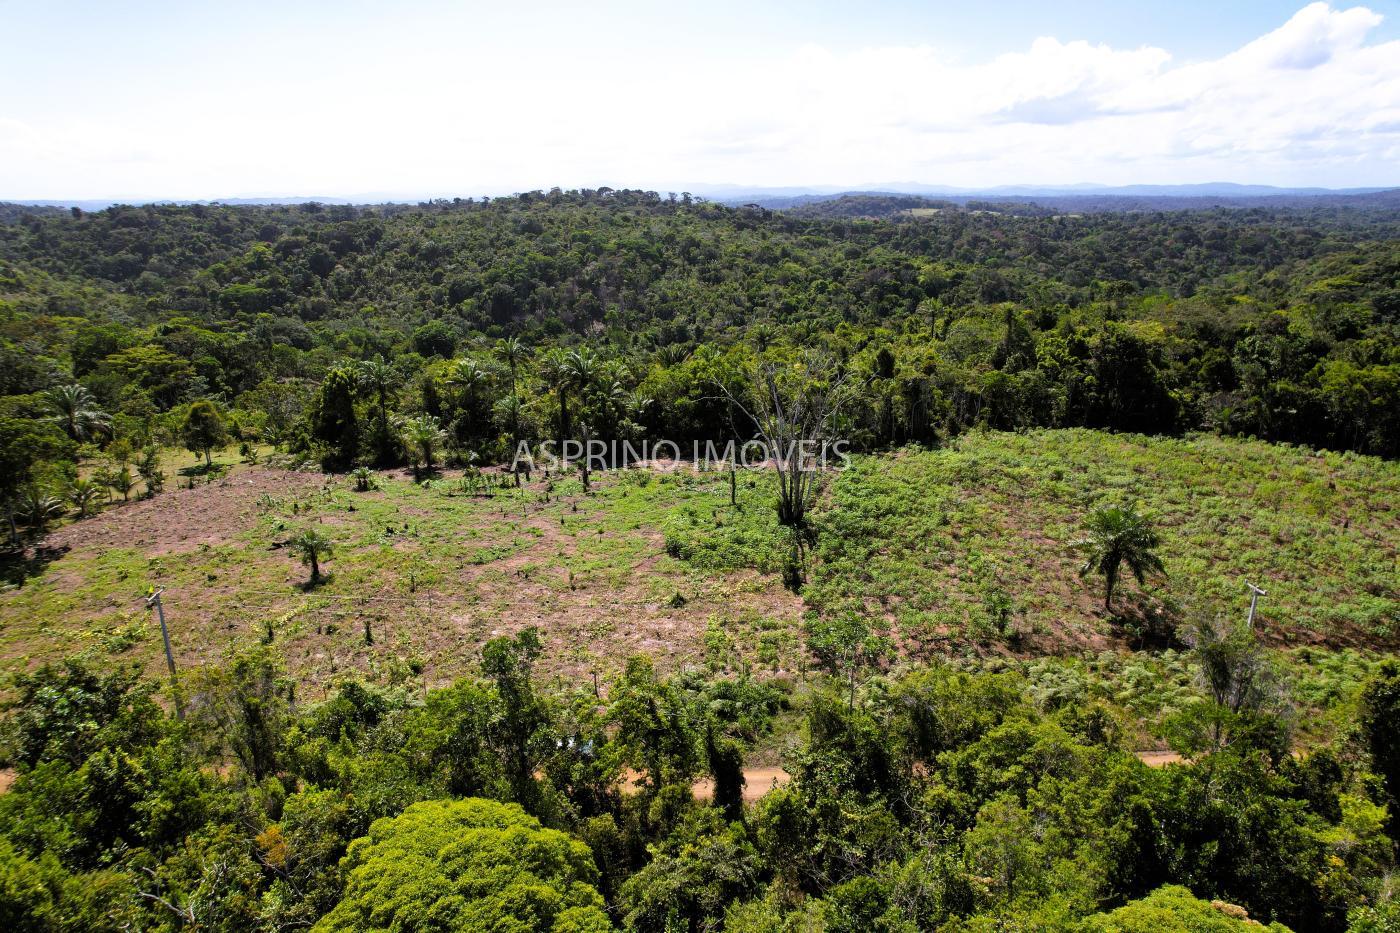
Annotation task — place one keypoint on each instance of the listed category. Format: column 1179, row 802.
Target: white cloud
column 1310, row 102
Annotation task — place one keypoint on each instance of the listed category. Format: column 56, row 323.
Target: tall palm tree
column 379, row 377
column 77, row 412
column 512, row 352
column 554, row 367
column 469, row 378
column 581, row 369
column 1116, row 536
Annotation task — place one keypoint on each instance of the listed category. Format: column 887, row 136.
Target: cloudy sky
column 417, row 98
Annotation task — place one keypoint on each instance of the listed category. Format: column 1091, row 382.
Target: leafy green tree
column 77, row 412
column 149, row 468
column 520, row 730
column 467, row 865
column 66, row 712
column 654, row 727
column 435, row 338
column 333, row 420
column 1173, row 909
column 725, row 759
column 31, row 890
column 1379, row 722
column 204, row 429
column 25, row 444
column 311, row 546
column 1116, row 536
column 846, row 648
column 242, row 712
column 699, row 868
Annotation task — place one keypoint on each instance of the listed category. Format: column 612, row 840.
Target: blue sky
column 195, row 100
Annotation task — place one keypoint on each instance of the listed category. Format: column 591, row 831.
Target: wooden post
column 587, row 441
column 154, row 600
column 1256, row 592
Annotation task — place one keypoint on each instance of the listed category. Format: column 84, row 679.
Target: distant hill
column 881, row 205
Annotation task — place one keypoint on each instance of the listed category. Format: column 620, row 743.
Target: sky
column 190, row 100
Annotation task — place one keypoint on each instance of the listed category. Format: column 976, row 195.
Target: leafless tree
column 794, row 408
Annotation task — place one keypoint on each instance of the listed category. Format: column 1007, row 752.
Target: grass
column 967, row 548
column 961, row 552
column 430, row 571
column 936, row 537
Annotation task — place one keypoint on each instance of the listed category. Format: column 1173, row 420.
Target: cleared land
column 961, row 551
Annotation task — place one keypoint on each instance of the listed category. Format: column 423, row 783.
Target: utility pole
column 153, row 600
column 1254, row 600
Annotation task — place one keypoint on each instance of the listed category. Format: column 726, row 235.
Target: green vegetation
column 918, row 693
column 930, row 799
column 467, row 865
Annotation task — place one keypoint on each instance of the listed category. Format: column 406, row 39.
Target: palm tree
column 469, row 377
column 311, row 546
column 84, row 493
column 554, row 367
column 1117, row 536
column 512, row 352
column 120, row 480
column 422, row 436
column 77, row 412
column 379, row 377
column 37, row 509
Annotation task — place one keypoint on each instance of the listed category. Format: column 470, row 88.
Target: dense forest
column 939, row 799
column 960, row 784
column 520, row 317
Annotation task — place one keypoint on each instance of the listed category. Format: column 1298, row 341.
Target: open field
column 430, row 570
column 962, row 551
column 969, row 548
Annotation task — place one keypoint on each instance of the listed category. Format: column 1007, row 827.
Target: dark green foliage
column 942, row 800
column 1277, row 323
column 1117, row 536
column 204, row 429
column 333, row 420
column 1380, row 731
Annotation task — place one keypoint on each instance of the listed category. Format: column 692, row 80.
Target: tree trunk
column 315, row 570
column 563, row 418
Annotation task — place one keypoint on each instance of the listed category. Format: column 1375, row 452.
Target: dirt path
column 757, row 782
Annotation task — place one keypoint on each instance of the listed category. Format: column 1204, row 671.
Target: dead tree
column 793, row 408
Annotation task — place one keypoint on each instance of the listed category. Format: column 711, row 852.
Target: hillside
column 966, row 549
column 398, row 672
